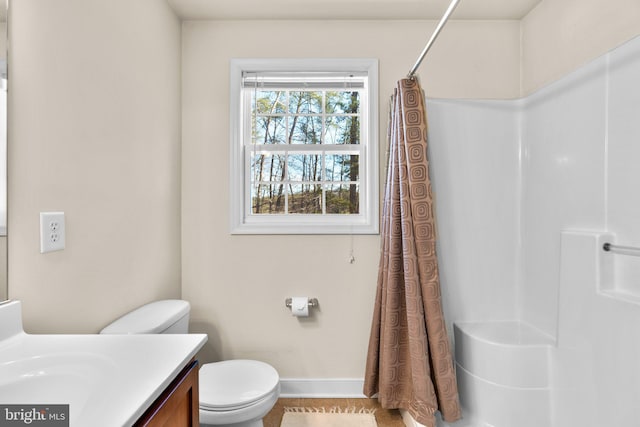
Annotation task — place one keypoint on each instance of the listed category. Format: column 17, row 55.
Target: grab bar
column 623, row 250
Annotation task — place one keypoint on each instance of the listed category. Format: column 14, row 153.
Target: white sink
column 107, row 380
column 62, row 378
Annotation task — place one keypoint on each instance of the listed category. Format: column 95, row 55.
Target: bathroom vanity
column 107, row 380
column 178, row 405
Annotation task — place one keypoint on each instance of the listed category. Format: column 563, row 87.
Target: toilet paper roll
column 300, row 306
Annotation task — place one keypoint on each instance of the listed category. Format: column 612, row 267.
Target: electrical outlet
column 51, row 231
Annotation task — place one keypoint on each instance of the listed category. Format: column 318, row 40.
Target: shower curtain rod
column 433, row 38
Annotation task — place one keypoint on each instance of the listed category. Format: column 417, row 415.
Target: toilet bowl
column 233, row 393
column 244, row 392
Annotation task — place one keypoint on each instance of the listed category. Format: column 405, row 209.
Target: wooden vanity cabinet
column 178, row 405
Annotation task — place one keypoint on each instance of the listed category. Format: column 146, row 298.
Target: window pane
column 305, row 167
column 270, row 130
column 342, row 167
column 342, row 130
column 267, row 198
column 267, row 167
column 269, row 101
column 343, row 102
column 300, row 146
column 305, row 199
column 343, row 199
column 305, row 129
column 305, row 102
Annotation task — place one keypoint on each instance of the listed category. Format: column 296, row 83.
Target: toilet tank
column 159, row 317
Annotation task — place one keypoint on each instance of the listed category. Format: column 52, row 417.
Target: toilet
column 233, row 393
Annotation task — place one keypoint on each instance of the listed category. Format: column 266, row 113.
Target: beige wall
column 3, row 268
column 237, row 284
column 95, row 132
column 3, row 39
column 3, row 239
column 558, row 36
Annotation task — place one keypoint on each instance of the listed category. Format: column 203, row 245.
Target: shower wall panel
column 563, row 133
column 474, row 150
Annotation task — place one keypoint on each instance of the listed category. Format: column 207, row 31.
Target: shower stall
column 527, row 194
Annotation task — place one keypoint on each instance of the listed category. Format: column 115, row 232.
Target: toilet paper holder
column 313, row 302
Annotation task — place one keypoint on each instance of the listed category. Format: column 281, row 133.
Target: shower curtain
column 409, row 362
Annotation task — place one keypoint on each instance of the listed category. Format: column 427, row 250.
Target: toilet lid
column 235, row 384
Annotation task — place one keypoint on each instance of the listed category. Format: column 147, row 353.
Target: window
column 304, row 146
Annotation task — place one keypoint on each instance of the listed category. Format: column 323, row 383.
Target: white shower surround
column 514, row 179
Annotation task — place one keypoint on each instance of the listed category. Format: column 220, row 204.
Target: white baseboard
column 321, row 388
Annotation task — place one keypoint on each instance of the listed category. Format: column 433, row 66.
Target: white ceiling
column 350, row 9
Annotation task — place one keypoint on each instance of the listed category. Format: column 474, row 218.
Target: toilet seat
column 235, row 384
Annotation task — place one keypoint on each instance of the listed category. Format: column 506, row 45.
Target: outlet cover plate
column 52, row 231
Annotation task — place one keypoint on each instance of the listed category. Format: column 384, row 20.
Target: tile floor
column 384, row 417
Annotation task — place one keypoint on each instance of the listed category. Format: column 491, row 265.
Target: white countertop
column 108, row 380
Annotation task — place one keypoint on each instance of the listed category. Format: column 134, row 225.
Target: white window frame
column 242, row 221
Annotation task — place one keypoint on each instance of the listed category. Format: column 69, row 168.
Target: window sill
column 300, row 226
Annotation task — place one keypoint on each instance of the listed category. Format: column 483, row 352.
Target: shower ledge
column 520, row 350
column 503, row 373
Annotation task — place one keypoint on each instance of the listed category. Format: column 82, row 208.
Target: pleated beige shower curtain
column 409, row 362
